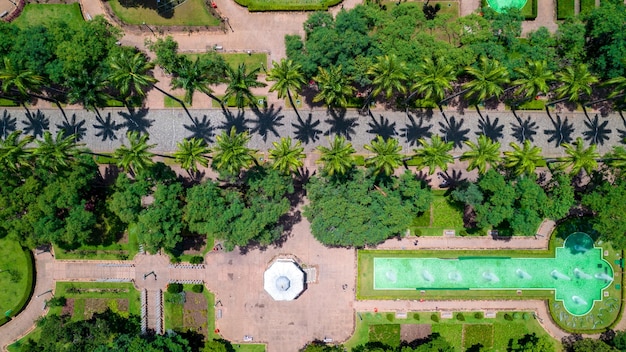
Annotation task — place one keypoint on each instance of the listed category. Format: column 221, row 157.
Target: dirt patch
column 68, row 308
column 122, row 305
column 195, row 312
column 412, row 332
column 95, row 305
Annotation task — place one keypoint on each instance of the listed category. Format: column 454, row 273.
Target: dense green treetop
column 608, row 201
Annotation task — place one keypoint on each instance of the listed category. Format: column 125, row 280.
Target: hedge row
column 587, row 5
column 565, row 9
column 269, row 5
column 529, row 11
column 30, row 284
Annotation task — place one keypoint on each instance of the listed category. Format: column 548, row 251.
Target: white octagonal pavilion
column 283, row 280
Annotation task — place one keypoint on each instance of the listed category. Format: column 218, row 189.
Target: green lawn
column 474, row 334
column 252, row 61
column 127, row 248
column 190, row 13
column 287, row 5
column 46, row 14
column 388, row 334
column 82, row 292
column 565, row 9
column 16, row 278
column 249, row 347
column 168, row 102
column 175, row 315
column 261, row 101
column 443, row 215
column 452, row 329
column 7, row 102
column 587, row 5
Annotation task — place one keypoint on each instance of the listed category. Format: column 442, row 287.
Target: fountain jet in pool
column 490, row 277
column 522, row 274
column 603, row 276
column 427, row 276
column 580, row 249
column 558, row 275
column 579, row 300
column 391, row 276
column 455, row 276
column 581, row 274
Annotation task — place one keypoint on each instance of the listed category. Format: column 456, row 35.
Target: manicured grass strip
column 190, row 13
column 48, row 14
column 252, row 61
column 16, row 278
column 173, row 311
column 529, row 11
column 260, row 102
column 7, row 102
column 564, row 9
column 388, row 334
column 249, row 347
column 287, row 5
column 168, row 102
column 474, row 334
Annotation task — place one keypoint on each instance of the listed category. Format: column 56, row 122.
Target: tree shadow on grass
column 340, row 125
column 267, row 121
column 8, row 124
column 201, row 129
column 413, row 132
column 306, row 131
column 35, row 124
column 136, row 120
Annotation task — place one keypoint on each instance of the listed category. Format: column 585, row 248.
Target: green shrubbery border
column 30, row 284
column 259, row 6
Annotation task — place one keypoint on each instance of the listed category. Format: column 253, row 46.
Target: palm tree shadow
column 340, row 125
column 562, row 132
column 306, row 131
column 267, row 121
column 490, row 129
column 36, row 123
column 71, row 127
column 453, row 131
column 136, row 121
column 596, row 133
column 106, row 127
column 381, row 127
column 422, row 176
column 452, row 180
column 524, row 130
column 622, row 133
column 239, row 121
column 8, row 124
column 415, row 131
column 201, row 129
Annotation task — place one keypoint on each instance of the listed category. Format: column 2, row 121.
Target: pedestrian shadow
column 562, row 131
column 306, row 130
column 453, row 131
column 490, row 129
column 524, row 129
column 415, row 131
column 73, row 127
column 36, row 123
column 381, row 127
column 8, row 124
column 596, row 132
column 238, row 121
column 136, row 120
column 267, row 121
column 106, row 127
column 340, row 124
column 201, row 129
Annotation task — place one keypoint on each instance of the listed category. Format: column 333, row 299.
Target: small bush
column 460, row 317
column 463, row 233
column 56, row 302
column 516, row 315
column 525, row 316
column 196, row 260
column 435, row 317
column 478, row 315
column 175, row 288
column 416, row 316
column 390, row 316
column 197, row 288
column 175, row 260
column 508, row 317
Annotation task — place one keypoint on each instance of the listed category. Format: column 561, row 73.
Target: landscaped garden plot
column 86, row 298
column 475, row 334
column 510, row 326
column 47, row 14
column 190, row 13
column 287, row 5
column 565, row 9
column 252, row 60
column 190, row 310
column 16, row 278
column 443, row 215
column 389, row 334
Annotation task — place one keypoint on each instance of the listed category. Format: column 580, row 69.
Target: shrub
column 196, row 260
column 478, row 315
column 197, row 288
column 175, row 288
column 508, row 317
column 525, row 316
column 56, row 302
column 460, row 317
column 463, row 233
column 416, row 316
column 516, row 315
column 435, row 317
column 175, row 260
column 390, row 316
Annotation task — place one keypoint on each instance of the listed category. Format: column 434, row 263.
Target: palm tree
column 434, row 155
column 89, row 91
column 489, row 78
column 386, row 156
column 485, row 152
column 288, row 77
column 19, row 82
column 191, row 152
column 54, row 153
column 577, row 80
column 287, row 157
column 616, row 158
column 432, row 79
column 193, row 76
column 334, row 87
column 14, row 153
column 389, row 75
column 129, row 74
column 337, row 159
column 137, row 156
column 523, row 159
column 239, row 83
column 535, row 77
column 579, row 158
column 619, row 86
column 231, row 153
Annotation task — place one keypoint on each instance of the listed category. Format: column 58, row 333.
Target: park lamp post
column 144, row 23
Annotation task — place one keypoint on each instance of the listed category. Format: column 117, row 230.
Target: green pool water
column 578, row 274
column 500, row 5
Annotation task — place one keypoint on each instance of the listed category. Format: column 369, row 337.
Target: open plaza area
column 312, row 176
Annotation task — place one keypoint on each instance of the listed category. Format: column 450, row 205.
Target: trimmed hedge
column 529, row 11
column 265, row 5
column 565, row 9
column 587, row 5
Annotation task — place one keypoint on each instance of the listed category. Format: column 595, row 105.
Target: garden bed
column 189, row 13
